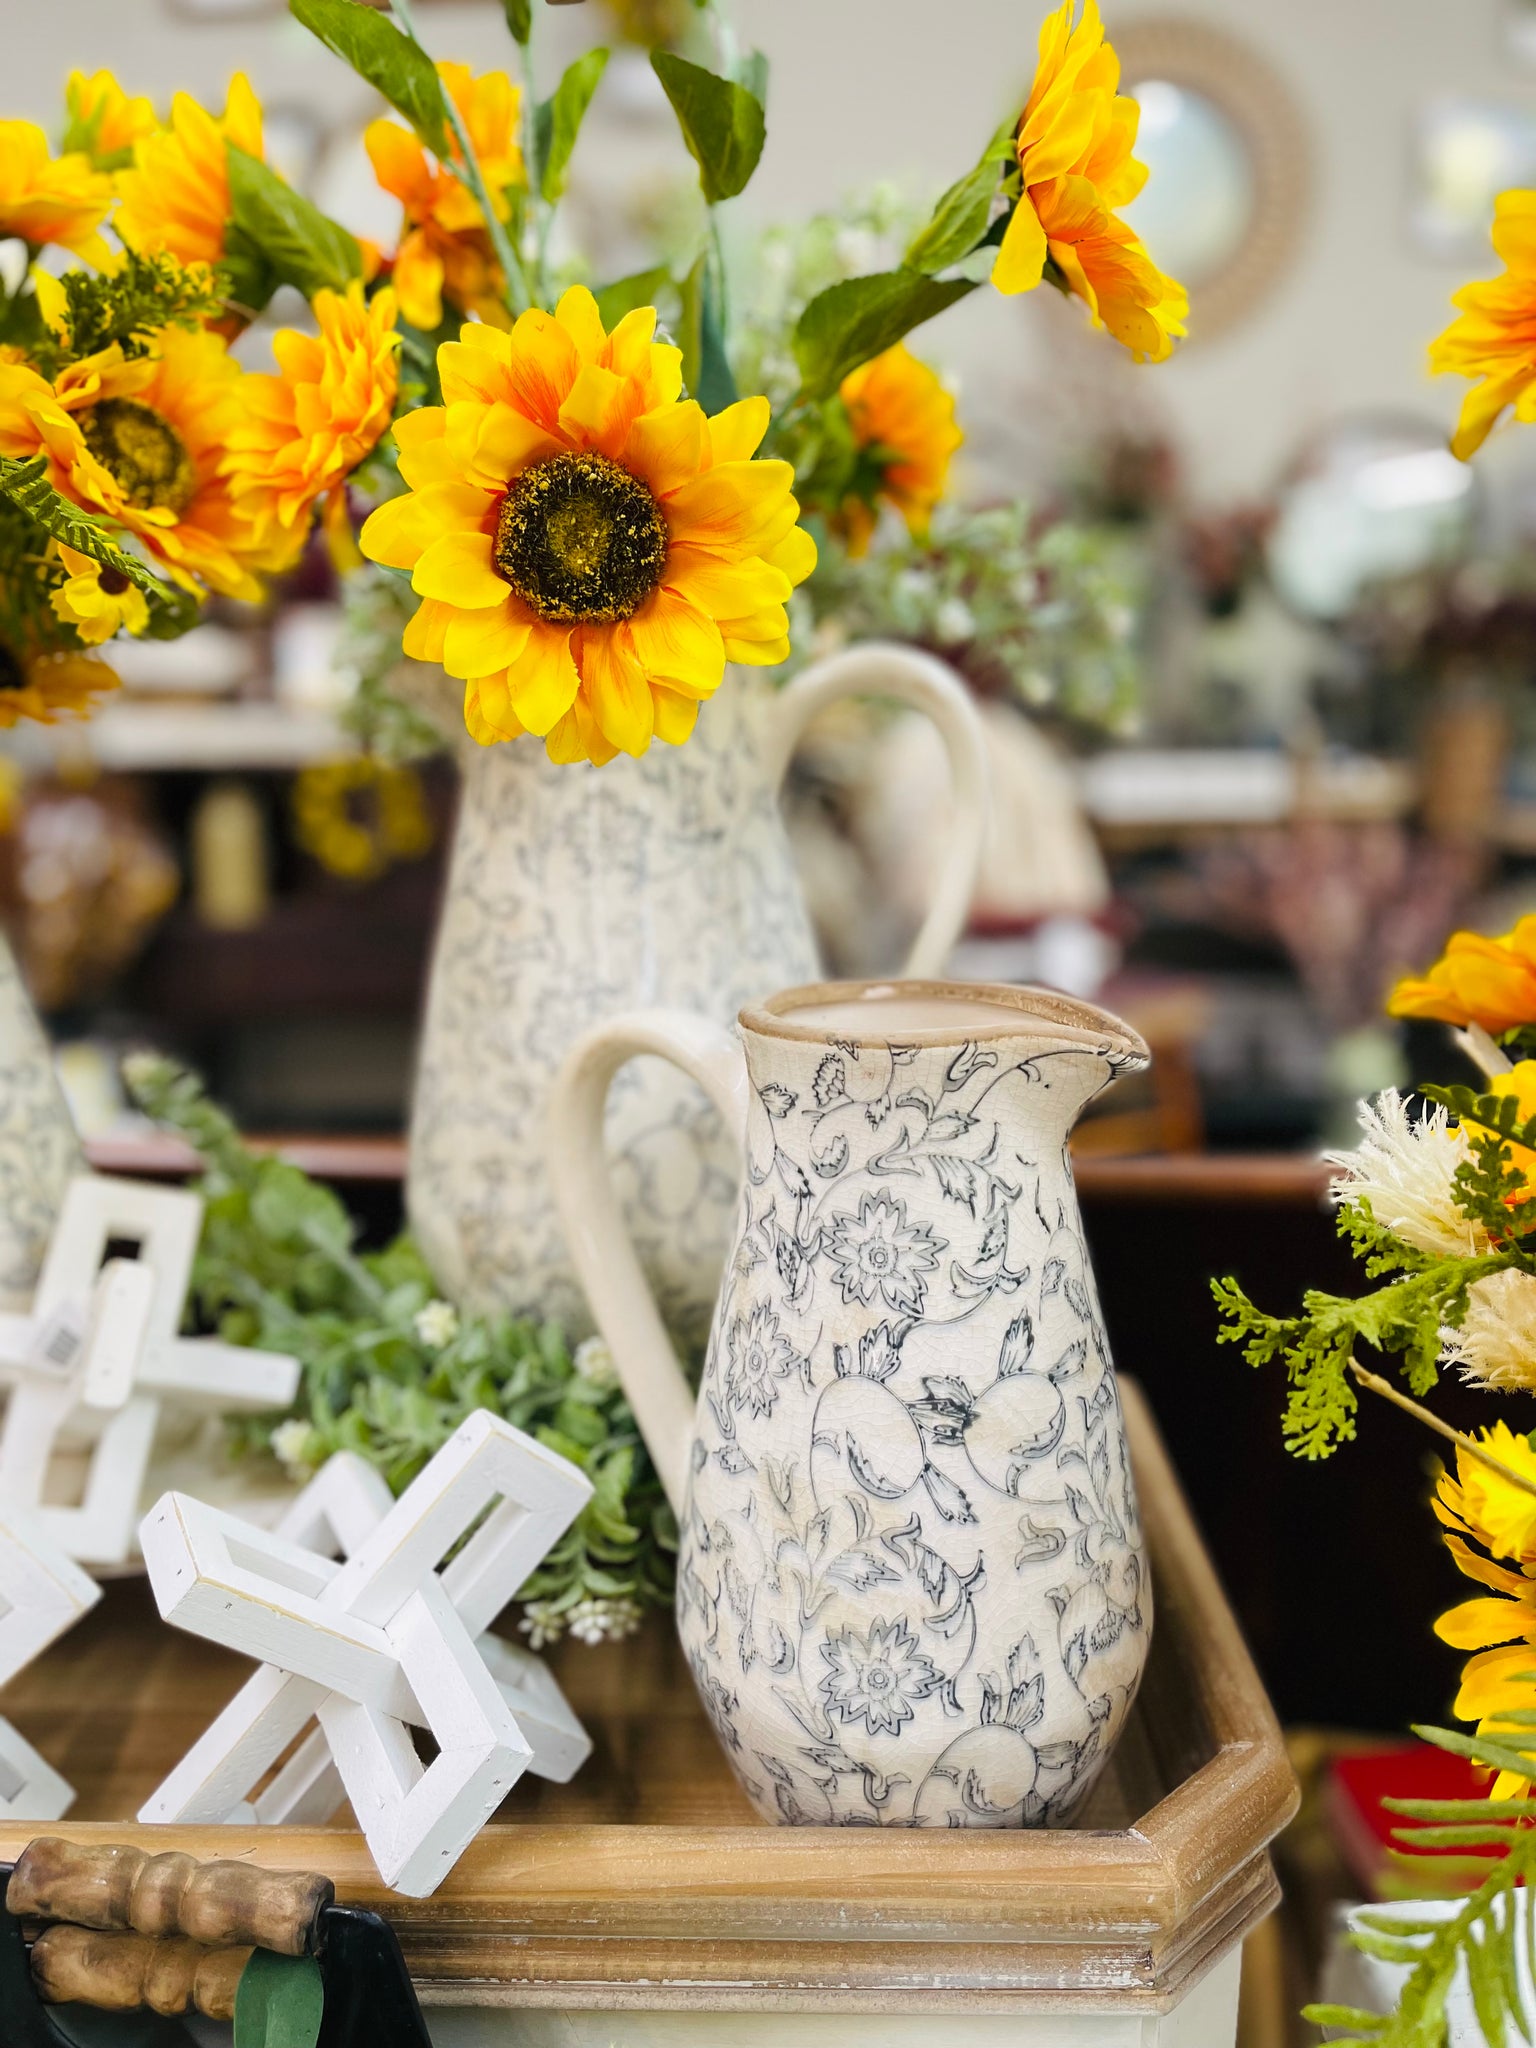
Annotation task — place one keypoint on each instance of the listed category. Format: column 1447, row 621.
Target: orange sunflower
column 903, row 423
column 1477, row 980
column 1482, row 1505
column 445, row 252
column 175, row 194
column 1494, row 338
column 104, row 123
column 1074, row 144
column 43, row 198
column 141, row 445
column 305, row 430
column 590, row 548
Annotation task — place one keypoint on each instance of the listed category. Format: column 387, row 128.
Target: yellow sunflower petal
column 1021, row 258
column 1477, row 1624
column 736, row 434
column 728, row 507
column 677, row 644
column 795, row 554
column 577, row 313
column 676, row 715
column 481, row 642
column 398, row 532
column 666, row 447
column 488, row 714
column 458, row 569
column 726, row 590
column 423, row 637
column 617, row 691
column 544, row 683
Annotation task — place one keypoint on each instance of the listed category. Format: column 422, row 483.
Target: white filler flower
column 437, row 1324
column 1405, row 1168
column 1496, row 1344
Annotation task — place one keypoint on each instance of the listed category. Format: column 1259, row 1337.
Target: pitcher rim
column 1083, row 1024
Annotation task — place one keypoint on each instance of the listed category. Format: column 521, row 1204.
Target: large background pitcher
column 911, row 1583
column 577, row 893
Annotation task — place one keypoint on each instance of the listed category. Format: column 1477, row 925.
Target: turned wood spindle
column 126, row 1972
column 122, row 1889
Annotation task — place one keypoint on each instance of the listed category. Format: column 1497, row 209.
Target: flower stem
column 519, row 297
column 1481, row 1050
column 1377, row 1385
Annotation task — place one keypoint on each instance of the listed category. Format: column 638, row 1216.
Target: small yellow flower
column 50, row 689
column 1494, row 337
column 104, row 123
column 98, row 602
column 142, row 444
column 445, row 252
column 358, row 840
column 1477, row 980
column 590, row 548
column 305, row 430
column 1074, row 144
column 175, row 195
column 1520, row 1083
column 1482, row 1505
column 45, row 199
column 903, row 420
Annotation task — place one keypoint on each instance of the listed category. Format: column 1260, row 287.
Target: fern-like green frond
column 26, row 483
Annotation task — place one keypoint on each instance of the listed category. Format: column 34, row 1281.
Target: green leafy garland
column 390, row 1370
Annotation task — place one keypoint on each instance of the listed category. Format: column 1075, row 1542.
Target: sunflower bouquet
column 588, row 515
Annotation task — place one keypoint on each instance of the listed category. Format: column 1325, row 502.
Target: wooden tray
column 648, row 1882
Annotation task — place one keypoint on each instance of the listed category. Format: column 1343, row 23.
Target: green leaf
column 26, row 483
column 851, row 322
column 1481, row 1749
column 295, row 239
column 279, row 2002
column 716, row 387
column 963, row 214
column 723, row 123
column 640, row 288
column 519, row 15
column 557, row 120
column 751, row 70
column 392, row 64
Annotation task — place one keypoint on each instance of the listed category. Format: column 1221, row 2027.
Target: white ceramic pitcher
column 576, row 893
column 911, row 1582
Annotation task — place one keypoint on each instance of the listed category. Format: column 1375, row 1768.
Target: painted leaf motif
column 831, row 1082
column 733, row 1459
column 861, row 1569
column 830, row 1163
column 957, row 1178
column 1018, row 1345
column 777, row 1099
column 945, row 1129
column 948, row 1498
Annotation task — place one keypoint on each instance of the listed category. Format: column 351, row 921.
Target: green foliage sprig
column 390, row 1370
column 128, row 305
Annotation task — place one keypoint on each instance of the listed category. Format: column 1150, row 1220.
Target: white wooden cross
column 42, row 1594
column 100, row 1355
column 374, row 1645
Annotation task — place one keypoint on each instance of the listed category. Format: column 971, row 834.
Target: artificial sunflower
column 98, row 602
column 175, row 194
column 104, row 123
column 445, row 251
column 141, row 444
column 1074, row 143
column 305, row 430
column 590, row 548
column 1477, row 980
column 1494, row 337
column 43, row 198
column 50, row 687
column 903, row 425
column 1480, row 1504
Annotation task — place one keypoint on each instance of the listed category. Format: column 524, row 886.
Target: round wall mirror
column 1226, row 152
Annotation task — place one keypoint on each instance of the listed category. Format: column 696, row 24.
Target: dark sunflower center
column 142, row 453
column 12, row 675
column 581, row 540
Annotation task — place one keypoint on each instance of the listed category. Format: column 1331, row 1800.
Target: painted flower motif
column 104, row 122
column 1481, row 1505
column 44, row 198
column 590, row 547
column 1493, row 337
column 1074, row 144
column 903, row 425
column 445, row 252
column 757, row 1355
column 879, row 1254
column 142, row 445
column 306, row 429
column 1476, row 980
column 876, row 1678
column 175, row 194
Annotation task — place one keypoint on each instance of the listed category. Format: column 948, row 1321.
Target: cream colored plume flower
column 1496, row 1344
column 1405, row 1169
column 437, row 1324
column 594, row 1363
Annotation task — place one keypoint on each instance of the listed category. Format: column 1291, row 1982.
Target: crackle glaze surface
column 38, row 1147
column 911, row 1582
column 574, row 894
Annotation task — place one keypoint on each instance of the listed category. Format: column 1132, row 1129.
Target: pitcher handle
column 882, row 669
column 598, row 1240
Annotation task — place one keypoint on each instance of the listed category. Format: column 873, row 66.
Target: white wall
column 874, row 87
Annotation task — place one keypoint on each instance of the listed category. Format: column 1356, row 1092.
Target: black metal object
column 369, row 1999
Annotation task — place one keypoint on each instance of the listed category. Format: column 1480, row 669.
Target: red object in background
column 1362, row 1827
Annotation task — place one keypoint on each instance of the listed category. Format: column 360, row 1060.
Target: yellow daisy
column 50, row 688
column 1074, row 144
column 305, row 430
column 44, row 199
column 903, row 420
column 1493, row 338
column 175, row 195
column 104, row 122
column 98, row 602
column 1483, row 1506
column 590, row 548
column 142, row 444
